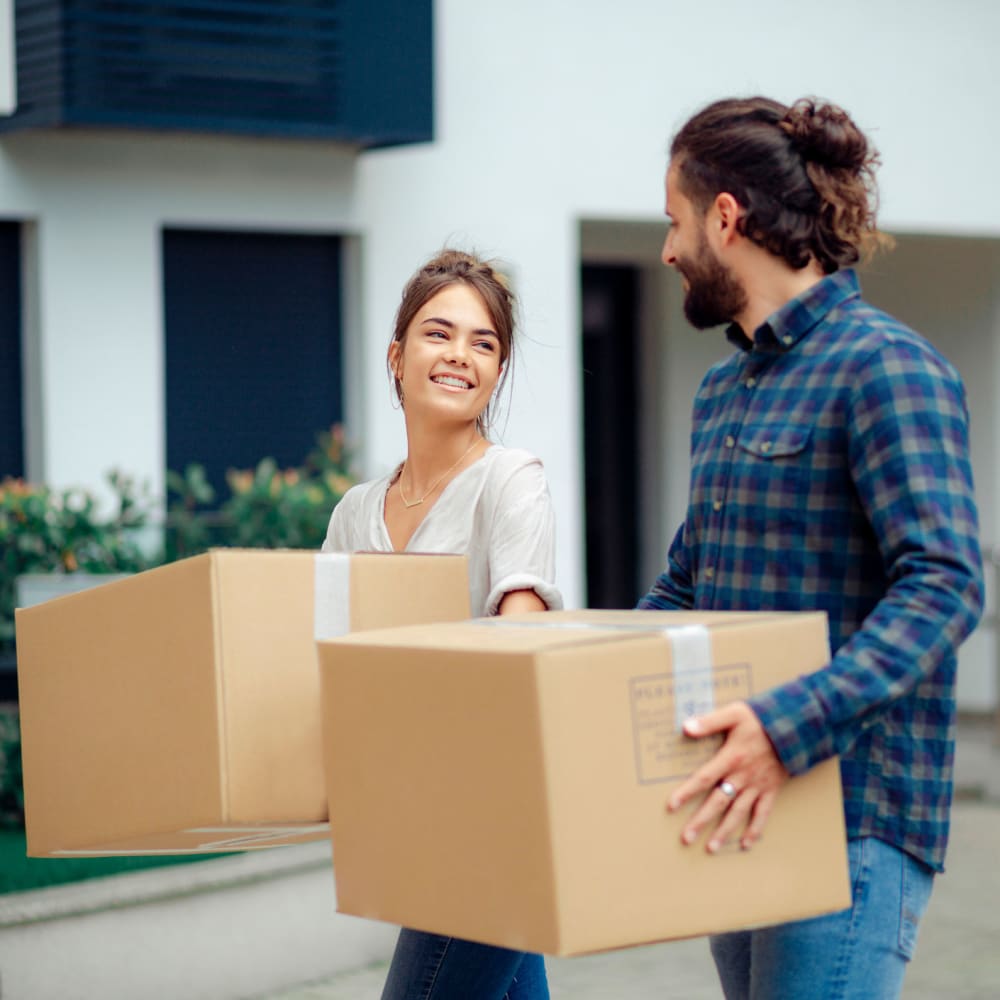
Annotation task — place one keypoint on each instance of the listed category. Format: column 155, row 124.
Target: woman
column 451, row 350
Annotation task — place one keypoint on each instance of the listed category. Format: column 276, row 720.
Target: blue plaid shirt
column 830, row 471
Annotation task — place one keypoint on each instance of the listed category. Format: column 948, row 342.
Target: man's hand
column 746, row 766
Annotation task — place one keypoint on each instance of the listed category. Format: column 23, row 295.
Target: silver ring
column 728, row 789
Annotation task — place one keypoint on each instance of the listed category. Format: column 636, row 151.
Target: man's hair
column 804, row 176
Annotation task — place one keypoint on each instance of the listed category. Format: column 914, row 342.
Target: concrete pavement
column 255, row 924
column 958, row 954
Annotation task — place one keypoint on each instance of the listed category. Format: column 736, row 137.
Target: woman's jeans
column 856, row 954
column 431, row 967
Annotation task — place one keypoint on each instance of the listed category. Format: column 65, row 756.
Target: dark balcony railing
column 360, row 71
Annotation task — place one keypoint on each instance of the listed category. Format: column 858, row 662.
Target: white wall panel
column 94, row 320
column 547, row 113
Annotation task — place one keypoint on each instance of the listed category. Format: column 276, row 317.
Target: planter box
column 37, row 588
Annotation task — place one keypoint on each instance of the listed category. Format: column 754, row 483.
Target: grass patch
column 18, row 872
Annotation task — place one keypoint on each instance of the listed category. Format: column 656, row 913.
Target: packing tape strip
column 690, row 648
column 332, row 615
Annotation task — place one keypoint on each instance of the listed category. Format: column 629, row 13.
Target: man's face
column 713, row 294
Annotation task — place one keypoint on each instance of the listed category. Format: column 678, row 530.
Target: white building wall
column 548, row 113
column 8, row 78
column 96, row 205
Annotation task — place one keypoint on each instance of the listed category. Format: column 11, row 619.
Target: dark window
column 11, row 422
column 360, row 71
column 610, row 430
column 253, row 347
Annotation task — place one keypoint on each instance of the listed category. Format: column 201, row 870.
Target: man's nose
column 667, row 255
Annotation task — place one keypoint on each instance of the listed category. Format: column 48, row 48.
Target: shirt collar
column 786, row 326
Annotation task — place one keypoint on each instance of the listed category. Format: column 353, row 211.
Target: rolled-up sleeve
column 909, row 463
column 522, row 537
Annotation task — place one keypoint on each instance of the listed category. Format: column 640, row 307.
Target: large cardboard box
column 508, row 782
column 178, row 711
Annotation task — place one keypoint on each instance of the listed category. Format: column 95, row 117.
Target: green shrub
column 44, row 530
column 267, row 507
column 11, row 778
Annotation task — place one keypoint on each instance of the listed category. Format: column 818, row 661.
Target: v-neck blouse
column 497, row 511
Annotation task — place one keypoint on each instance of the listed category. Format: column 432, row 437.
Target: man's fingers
column 716, row 721
column 758, row 820
column 724, row 815
column 733, row 821
column 703, row 780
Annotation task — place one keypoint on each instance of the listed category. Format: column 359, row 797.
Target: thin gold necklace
column 416, row 503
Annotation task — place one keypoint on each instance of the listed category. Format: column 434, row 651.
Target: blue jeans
column 431, row 967
column 857, row 954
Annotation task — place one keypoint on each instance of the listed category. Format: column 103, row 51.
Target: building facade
column 173, row 202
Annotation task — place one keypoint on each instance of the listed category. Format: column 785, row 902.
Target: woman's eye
column 486, row 345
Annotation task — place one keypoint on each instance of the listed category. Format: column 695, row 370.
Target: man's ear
column 728, row 214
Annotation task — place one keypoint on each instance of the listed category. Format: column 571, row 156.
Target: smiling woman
column 456, row 491
column 487, row 302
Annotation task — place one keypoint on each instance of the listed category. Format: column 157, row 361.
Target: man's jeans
column 431, row 967
column 856, row 954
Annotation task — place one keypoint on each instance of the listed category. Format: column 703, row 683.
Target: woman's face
column 449, row 361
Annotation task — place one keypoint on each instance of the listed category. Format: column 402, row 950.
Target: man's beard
column 714, row 294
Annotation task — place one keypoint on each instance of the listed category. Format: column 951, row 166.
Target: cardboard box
column 178, row 711
column 508, row 783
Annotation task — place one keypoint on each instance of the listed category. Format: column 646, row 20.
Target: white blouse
column 497, row 511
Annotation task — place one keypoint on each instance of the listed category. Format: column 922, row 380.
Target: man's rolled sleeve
column 908, row 453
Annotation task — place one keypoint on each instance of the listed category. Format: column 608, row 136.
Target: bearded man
column 830, row 471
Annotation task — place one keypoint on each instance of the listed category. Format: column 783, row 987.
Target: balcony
column 356, row 71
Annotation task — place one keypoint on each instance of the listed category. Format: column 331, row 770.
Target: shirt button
column 709, row 573
column 787, row 339
column 766, row 446
column 751, row 382
column 730, row 441
column 717, row 505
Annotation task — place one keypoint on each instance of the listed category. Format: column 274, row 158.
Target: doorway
column 610, row 327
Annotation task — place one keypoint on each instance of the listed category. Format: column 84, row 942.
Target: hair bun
column 824, row 134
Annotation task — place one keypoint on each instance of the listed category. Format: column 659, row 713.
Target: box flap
column 118, row 709
column 400, row 589
column 204, row 840
column 543, row 630
column 268, row 687
column 373, row 590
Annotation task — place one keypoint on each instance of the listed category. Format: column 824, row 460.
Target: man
column 830, row 471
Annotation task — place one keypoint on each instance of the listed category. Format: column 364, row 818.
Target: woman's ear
column 396, row 359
